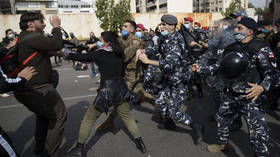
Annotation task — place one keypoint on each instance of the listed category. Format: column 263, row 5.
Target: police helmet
column 234, row 65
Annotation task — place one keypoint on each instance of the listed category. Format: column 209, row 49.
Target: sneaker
column 98, row 81
column 215, row 148
column 5, row 95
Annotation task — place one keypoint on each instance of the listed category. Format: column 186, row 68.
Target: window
column 51, row 4
column 21, row 4
column 163, row 6
column 34, row 4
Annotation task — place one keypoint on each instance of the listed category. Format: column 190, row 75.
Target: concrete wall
column 82, row 24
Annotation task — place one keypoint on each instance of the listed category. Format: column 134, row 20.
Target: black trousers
column 50, row 111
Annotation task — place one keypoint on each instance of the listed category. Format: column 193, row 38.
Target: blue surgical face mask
column 164, row 33
column 187, row 26
column 125, row 33
column 264, row 30
column 138, row 34
column 99, row 44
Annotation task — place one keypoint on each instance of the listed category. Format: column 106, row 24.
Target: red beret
column 141, row 26
column 205, row 28
column 197, row 23
column 188, row 19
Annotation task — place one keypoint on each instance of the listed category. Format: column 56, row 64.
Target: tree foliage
column 234, row 6
column 111, row 15
column 251, row 5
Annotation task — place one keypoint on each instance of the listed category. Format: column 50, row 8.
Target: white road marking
column 65, row 99
column 83, row 76
column 64, row 69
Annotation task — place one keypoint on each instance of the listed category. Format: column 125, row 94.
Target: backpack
column 9, row 64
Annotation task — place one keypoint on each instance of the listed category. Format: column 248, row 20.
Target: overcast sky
column 258, row 3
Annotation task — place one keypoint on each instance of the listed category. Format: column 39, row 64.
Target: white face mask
column 225, row 27
column 11, row 36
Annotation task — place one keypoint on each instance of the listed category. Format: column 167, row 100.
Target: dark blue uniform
column 172, row 63
column 233, row 98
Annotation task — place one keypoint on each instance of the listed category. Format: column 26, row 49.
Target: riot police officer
column 214, row 53
column 247, row 74
column 191, row 38
column 173, row 65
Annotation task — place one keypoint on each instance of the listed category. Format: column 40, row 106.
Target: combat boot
column 215, row 148
column 78, row 151
column 197, row 131
column 167, row 123
column 107, row 125
column 140, row 145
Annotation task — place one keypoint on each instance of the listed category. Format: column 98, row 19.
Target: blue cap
column 238, row 13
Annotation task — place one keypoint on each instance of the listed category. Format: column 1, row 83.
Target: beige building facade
column 210, row 6
column 163, row 6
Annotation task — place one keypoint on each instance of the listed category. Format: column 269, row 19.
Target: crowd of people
column 239, row 60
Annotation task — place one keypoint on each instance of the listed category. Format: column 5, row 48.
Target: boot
column 166, row 123
column 215, row 148
column 78, row 150
column 107, row 125
column 197, row 131
column 140, row 145
column 169, row 124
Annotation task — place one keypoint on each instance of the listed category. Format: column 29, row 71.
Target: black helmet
column 234, row 65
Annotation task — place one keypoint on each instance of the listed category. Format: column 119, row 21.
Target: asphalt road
column 73, row 87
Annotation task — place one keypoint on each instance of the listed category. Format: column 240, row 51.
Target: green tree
column 251, row 5
column 234, row 6
column 111, row 14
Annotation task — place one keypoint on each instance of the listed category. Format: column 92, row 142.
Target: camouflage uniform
column 214, row 54
column 196, row 78
column 172, row 63
column 234, row 100
column 152, row 75
column 133, row 70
